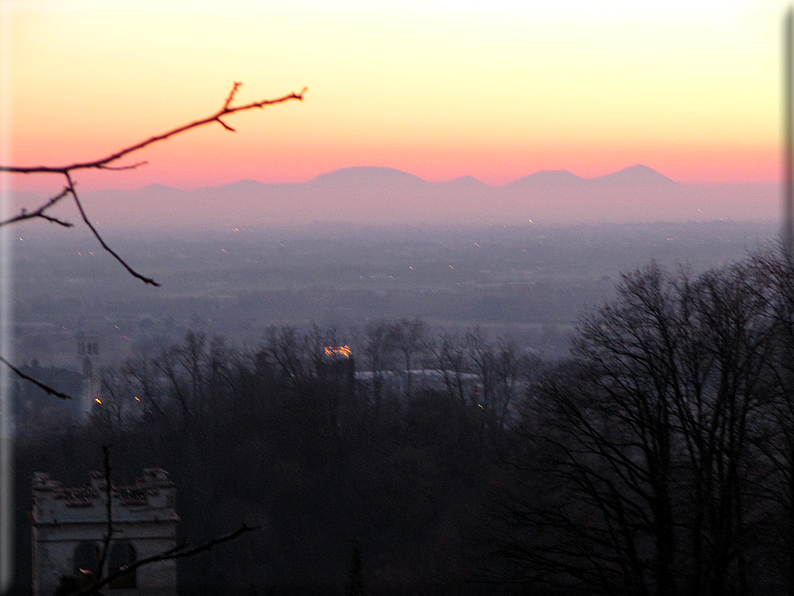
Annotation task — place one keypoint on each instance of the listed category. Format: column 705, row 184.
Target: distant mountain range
column 375, row 176
column 376, row 195
column 381, row 177
column 638, row 175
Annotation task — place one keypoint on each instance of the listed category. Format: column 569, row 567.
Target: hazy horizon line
column 562, row 171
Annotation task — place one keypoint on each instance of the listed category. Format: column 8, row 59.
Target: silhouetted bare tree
column 652, row 442
column 450, row 360
column 407, row 338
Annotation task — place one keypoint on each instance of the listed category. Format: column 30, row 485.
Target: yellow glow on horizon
column 494, row 89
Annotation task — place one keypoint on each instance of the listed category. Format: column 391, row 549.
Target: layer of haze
column 496, row 90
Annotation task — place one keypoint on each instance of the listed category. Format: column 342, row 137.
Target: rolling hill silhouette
column 638, row 175
column 548, row 178
column 381, row 195
column 366, row 176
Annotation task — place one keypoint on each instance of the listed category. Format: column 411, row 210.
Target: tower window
column 85, row 563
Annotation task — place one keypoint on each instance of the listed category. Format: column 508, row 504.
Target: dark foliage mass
column 367, row 485
column 657, row 460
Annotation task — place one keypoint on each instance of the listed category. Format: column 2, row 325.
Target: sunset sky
column 494, row 89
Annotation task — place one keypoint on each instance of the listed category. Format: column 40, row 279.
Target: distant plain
column 529, row 281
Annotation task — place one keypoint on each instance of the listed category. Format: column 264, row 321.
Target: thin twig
column 24, row 214
column 98, row 163
column 130, row 270
column 120, row 168
column 108, row 512
column 180, row 551
column 232, row 93
column 104, row 164
column 55, row 220
column 46, row 388
column 224, row 125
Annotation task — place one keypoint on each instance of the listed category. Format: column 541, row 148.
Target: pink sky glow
column 495, row 90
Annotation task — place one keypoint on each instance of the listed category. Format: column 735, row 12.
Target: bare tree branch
column 46, row 388
column 104, row 164
column 100, row 163
column 114, row 254
column 25, row 214
column 232, row 93
column 121, row 168
column 108, row 511
column 180, row 551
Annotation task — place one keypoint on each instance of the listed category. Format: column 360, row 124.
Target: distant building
column 34, row 407
column 69, row 525
column 338, row 365
column 88, row 357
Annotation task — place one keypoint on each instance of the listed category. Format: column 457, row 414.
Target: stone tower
column 88, row 360
column 69, row 525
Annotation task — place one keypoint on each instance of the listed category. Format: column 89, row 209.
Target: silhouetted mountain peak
column 549, row 178
column 637, row 175
column 367, row 176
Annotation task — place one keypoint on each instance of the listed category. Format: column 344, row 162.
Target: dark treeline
column 657, row 460
column 393, row 465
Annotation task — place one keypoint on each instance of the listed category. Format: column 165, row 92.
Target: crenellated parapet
column 151, row 498
column 70, row 525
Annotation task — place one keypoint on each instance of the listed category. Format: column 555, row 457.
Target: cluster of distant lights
column 344, row 351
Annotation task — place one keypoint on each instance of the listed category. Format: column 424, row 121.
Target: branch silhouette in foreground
column 44, row 387
column 106, row 163
column 180, row 551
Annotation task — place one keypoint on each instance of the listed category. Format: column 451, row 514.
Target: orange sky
column 495, row 89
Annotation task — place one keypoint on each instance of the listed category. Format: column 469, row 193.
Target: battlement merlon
column 150, row 499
